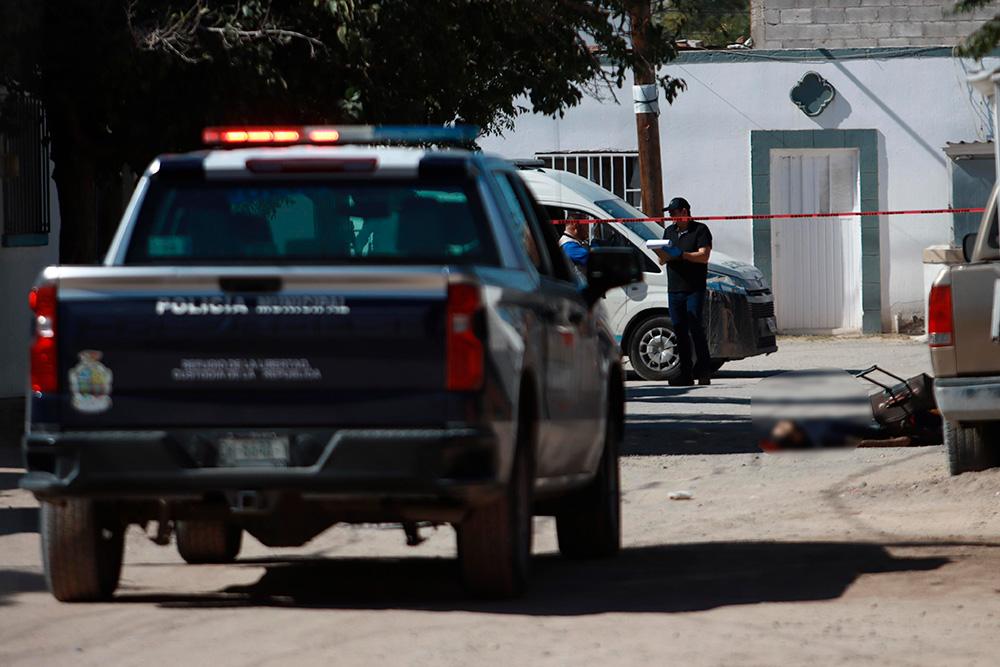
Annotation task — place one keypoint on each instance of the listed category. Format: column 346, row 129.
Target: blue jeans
column 686, row 311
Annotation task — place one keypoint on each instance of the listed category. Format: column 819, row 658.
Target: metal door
column 816, row 262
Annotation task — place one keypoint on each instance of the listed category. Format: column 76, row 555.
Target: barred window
column 24, row 172
column 617, row 172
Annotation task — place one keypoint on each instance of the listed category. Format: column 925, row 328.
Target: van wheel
column 208, row 541
column 970, row 449
column 590, row 527
column 653, row 350
column 82, row 551
column 494, row 542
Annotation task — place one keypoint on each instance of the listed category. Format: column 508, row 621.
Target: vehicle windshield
column 617, row 208
column 311, row 222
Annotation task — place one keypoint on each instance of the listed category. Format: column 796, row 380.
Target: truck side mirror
column 969, row 245
column 608, row 268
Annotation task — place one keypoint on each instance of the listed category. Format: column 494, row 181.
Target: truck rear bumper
column 968, row 399
column 428, row 463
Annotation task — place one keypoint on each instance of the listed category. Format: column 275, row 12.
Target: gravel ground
column 874, row 556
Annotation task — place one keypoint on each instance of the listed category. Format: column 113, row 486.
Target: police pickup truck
column 298, row 328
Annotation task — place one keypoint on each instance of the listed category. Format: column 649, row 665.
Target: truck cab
column 740, row 313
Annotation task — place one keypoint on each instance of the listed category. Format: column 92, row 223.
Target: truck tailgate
column 252, row 347
column 973, row 289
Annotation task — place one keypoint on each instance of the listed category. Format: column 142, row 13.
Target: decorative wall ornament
column 813, row 94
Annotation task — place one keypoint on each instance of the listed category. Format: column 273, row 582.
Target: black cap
column 676, row 204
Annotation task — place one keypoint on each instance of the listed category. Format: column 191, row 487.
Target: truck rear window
column 219, row 222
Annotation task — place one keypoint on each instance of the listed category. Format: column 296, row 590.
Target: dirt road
column 870, row 557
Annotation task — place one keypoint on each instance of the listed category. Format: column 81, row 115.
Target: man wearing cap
column 687, row 274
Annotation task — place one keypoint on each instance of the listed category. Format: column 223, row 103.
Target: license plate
column 771, row 326
column 266, row 452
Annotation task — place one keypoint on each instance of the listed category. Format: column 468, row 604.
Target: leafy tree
column 122, row 81
column 983, row 41
column 716, row 22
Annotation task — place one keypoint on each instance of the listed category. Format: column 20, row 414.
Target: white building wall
column 18, row 269
column 916, row 104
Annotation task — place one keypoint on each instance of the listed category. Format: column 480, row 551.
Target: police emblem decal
column 90, row 382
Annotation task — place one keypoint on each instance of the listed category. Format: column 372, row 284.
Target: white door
column 816, row 262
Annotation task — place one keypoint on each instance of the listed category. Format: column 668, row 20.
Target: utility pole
column 644, row 95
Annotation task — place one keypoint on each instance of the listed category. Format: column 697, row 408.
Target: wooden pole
column 646, row 122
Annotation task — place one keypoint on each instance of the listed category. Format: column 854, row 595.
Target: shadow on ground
column 688, row 434
column 660, row 579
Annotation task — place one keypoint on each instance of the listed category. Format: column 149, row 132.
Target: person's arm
column 700, row 256
column 576, row 252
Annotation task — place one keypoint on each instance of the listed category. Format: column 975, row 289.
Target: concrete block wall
column 810, row 24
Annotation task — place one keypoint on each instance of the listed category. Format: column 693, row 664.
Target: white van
column 740, row 307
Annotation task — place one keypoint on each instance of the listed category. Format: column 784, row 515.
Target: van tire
column 201, row 542
column 970, row 449
column 82, row 551
column 494, row 541
column 653, row 350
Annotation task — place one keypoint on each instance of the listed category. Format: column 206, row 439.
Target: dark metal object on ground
column 905, row 408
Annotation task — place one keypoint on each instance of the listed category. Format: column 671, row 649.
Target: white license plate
column 254, row 452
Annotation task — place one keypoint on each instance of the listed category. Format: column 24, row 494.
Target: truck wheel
column 717, row 364
column 653, row 350
column 81, row 551
column 494, row 542
column 590, row 527
column 208, row 541
column 968, row 450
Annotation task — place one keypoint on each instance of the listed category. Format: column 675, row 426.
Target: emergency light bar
column 337, row 134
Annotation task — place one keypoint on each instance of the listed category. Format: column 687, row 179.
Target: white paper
column 658, row 243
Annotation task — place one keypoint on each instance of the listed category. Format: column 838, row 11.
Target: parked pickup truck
column 963, row 328
column 284, row 336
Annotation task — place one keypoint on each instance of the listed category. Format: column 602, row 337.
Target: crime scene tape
column 773, row 216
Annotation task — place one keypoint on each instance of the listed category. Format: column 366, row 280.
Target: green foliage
column 716, row 22
column 985, row 39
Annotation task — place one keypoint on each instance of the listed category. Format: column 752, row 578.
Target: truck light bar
column 339, row 134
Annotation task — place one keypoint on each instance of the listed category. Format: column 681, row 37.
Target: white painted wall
column 18, row 269
column 916, row 104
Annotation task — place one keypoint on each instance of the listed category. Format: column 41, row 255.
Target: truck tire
column 967, row 449
column 717, row 364
column 590, row 526
column 82, row 553
column 494, row 542
column 653, row 350
column 208, row 541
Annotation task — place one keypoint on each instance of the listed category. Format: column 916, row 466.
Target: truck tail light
column 464, row 348
column 940, row 327
column 44, row 367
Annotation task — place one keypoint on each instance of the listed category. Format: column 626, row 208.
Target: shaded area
column 688, row 434
column 14, row 581
column 18, row 520
column 658, row 579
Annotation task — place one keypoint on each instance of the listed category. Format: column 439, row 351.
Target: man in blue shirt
column 572, row 243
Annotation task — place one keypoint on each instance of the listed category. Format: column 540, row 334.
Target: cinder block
column 828, row 15
column 966, row 28
column 859, row 43
column 844, row 30
column 772, row 16
column 926, row 13
column 894, row 41
column 940, row 29
column 893, row 14
column 830, row 43
column 905, row 29
column 874, row 30
column 796, row 15
column 876, row 3
column 867, row 15
column 812, row 31
column 932, row 41
column 780, row 4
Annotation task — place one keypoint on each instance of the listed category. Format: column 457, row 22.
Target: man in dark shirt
column 687, row 274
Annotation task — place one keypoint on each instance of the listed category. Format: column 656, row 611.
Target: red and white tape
column 775, row 216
